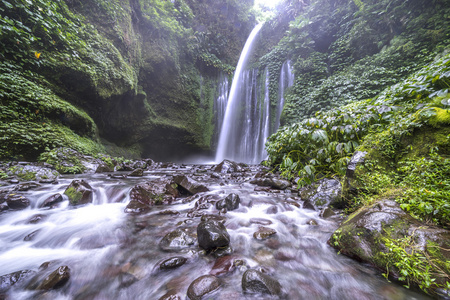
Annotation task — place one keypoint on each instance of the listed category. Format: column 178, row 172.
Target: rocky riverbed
column 174, row 231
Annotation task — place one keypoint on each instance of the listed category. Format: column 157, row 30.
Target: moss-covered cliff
column 138, row 77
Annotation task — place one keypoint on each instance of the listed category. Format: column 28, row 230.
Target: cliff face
column 130, row 77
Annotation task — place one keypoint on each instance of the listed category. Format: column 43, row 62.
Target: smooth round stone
column 173, row 263
column 202, row 286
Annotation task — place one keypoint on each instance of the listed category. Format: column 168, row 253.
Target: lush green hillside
column 137, row 76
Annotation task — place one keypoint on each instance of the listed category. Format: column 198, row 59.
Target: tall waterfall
column 230, row 140
column 250, row 117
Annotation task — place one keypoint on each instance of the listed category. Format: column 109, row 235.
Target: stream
column 116, row 255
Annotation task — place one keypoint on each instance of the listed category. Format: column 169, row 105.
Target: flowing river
column 115, row 255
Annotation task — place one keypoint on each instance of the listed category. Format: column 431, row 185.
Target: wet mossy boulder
column 386, row 236
column 156, row 192
column 79, row 192
column 321, row 194
column 56, row 279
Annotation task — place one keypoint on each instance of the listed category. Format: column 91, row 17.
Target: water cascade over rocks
column 231, row 239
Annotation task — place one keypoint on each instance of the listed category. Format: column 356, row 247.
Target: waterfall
column 286, row 80
column 249, row 118
column 232, row 139
column 220, row 105
column 231, row 132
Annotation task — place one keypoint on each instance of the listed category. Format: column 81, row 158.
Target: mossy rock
column 364, row 234
column 79, row 192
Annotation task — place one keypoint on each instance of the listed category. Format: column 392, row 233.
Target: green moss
column 74, row 195
column 441, row 118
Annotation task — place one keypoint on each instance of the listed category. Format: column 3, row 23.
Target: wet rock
column 52, row 200
column 312, row 222
column 136, row 207
column 8, row 280
column 31, row 236
column 202, row 286
column 272, row 182
column 56, row 279
column 231, row 202
column 171, row 295
column 228, row 166
column 176, row 240
column 362, row 236
column 33, row 172
column 169, row 212
column 103, row 167
column 13, row 181
column 79, row 192
column 321, row 194
column 26, row 186
column 254, row 281
column 141, row 164
column 137, row 173
column 173, row 263
column 260, row 221
column 272, row 210
column 16, row 201
column 144, row 196
column 223, row 265
column 207, row 217
column 215, row 175
column 37, row 219
column 189, row 184
column 264, row 233
column 212, row 234
column 326, row 213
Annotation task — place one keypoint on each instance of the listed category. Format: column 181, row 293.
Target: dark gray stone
column 254, row 281
column 212, row 234
column 203, row 286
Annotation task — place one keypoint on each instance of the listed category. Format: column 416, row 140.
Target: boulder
column 79, row 192
column 272, row 182
column 176, row 240
column 52, row 200
column 228, row 166
column 212, row 234
column 103, row 167
column 254, row 282
column 173, row 263
column 202, row 286
column 144, row 196
column 170, row 295
column 56, row 279
column 323, row 193
column 364, row 234
column 264, row 233
column 8, row 280
column 231, row 202
column 16, row 201
column 137, row 173
column 189, row 184
column 26, row 186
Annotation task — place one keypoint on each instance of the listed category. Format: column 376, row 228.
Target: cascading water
column 234, row 127
column 249, row 117
column 286, row 81
column 220, row 104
